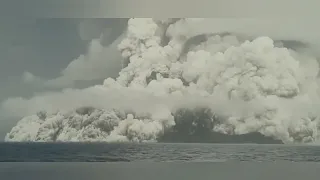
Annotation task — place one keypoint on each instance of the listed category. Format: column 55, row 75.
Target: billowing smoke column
column 239, row 85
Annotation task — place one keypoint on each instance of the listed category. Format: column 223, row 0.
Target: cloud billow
column 240, row 82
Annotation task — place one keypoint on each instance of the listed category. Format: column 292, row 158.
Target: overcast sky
column 44, row 47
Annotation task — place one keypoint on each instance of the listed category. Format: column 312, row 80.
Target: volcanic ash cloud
column 247, row 85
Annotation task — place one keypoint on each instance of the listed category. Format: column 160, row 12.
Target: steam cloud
column 242, row 84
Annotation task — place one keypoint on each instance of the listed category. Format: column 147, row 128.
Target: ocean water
column 155, row 152
column 46, row 161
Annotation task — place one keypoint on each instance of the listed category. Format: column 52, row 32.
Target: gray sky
column 44, row 47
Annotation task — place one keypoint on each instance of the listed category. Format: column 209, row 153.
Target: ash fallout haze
column 166, row 79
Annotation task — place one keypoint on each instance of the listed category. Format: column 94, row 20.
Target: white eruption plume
column 252, row 85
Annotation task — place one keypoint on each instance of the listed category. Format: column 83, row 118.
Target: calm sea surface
column 45, row 161
column 155, row 152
